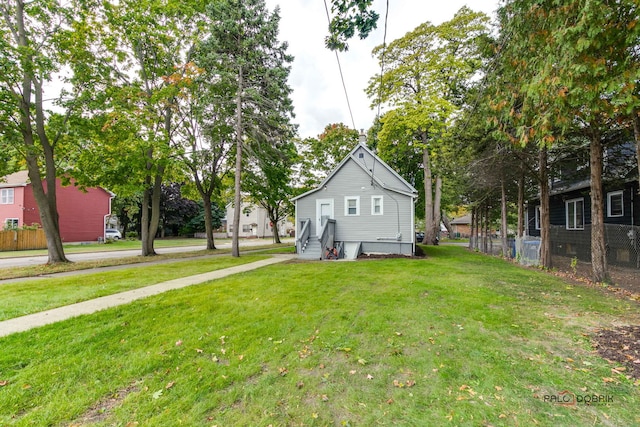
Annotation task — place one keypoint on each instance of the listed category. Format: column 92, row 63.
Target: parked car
column 112, row 233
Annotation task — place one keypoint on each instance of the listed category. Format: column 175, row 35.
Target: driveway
column 92, row 256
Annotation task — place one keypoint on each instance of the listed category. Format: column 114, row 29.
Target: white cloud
column 318, row 94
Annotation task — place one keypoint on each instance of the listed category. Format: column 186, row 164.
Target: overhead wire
column 344, row 86
column 384, row 47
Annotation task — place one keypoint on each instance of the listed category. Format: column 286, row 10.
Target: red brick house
column 82, row 214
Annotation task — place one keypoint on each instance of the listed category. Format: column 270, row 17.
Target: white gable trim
column 409, row 191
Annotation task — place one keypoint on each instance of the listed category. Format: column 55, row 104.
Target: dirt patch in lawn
column 622, row 346
column 626, row 281
column 101, row 411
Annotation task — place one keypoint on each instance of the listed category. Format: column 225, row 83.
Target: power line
column 384, row 47
column 344, row 86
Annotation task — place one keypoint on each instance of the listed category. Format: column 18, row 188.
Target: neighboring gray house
column 363, row 206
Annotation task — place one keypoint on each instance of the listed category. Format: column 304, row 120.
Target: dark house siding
column 558, row 214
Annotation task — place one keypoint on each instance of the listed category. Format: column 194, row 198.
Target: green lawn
column 21, row 298
column 455, row 339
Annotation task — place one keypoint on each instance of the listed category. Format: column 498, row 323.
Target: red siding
column 81, row 213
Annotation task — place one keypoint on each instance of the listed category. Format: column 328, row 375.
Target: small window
column 246, row 228
column 352, row 206
column 6, row 196
column 376, row 205
column 615, row 206
column 538, row 217
column 575, row 214
column 11, row 223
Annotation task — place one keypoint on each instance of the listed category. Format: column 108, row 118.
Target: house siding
column 351, row 180
column 557, row 203
column 81, row 214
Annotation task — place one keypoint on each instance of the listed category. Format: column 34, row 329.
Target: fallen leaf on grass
column 352, row 372
column 199, row 350
column 398, row 384
column 362, row 362
column 157, row 394
column 411, row 383
column 369, row 376
column 283, row 371
column 498, row 388
column 178, row 343
column 3, row 383
column 169, row 385
column 325, row 398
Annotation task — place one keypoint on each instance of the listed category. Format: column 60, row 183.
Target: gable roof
column 408, row 189
column 21, row 179
column 17, row 179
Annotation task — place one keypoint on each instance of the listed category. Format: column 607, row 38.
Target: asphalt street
column 92, row 256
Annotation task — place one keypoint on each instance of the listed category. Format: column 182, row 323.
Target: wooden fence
column 19, row 240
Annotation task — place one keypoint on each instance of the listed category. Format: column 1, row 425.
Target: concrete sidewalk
column 24, row 323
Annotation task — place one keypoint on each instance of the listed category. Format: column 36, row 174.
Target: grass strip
column 32, row 296
column 45, row 269
column 456, row 339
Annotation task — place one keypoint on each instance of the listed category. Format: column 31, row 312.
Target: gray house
column 363, row 206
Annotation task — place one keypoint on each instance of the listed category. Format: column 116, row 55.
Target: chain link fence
column 622, row 245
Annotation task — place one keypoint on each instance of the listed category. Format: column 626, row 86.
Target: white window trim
column 16, row 220
column 538, row 217
column 373, row 205
column 566, row 208
column 346, row 205
column 7, row 196
column 609, row 196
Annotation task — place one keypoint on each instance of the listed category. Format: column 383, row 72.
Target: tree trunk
column 487, row 229
column 545, row 221
column 428, row 195
column 235, row 244
column 503, row 221
column 144, row 219
column 208, row 220
column 520, row 231
column 276, row 233
column 46, row 201
column 436, row 211
column 636, row 134
column 472, row 228
column 599, row 267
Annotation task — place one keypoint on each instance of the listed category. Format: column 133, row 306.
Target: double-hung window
column 377, row 207
column 575, row 214
column 538, row 217
column 6, row 196
column 615, row 206
column 352, row 205
column 11, row 223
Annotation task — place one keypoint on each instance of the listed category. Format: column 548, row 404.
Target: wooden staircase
column 311, row 249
